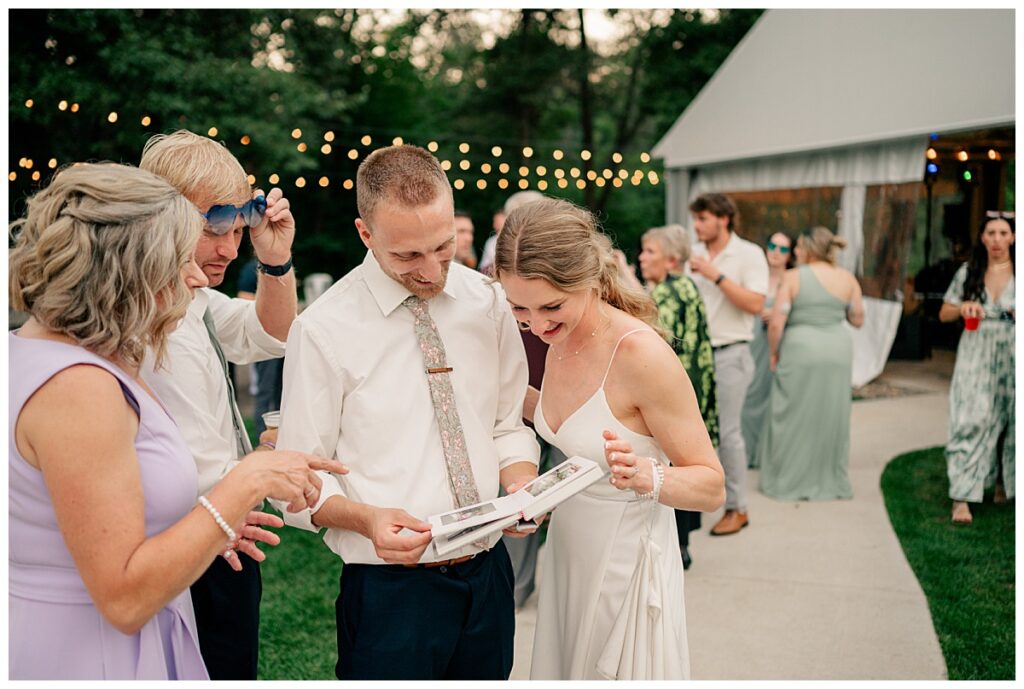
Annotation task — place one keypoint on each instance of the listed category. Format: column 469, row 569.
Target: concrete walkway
column 816, row 590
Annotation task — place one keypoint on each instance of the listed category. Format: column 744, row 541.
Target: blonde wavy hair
column 98, row 258
column 819, row 243
column 560, row 242
column 200, row 168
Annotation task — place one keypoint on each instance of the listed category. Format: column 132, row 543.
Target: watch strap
column 275, row 271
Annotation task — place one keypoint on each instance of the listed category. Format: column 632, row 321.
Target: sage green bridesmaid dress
column 804, row 449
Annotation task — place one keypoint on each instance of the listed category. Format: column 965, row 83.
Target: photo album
column 454, row 529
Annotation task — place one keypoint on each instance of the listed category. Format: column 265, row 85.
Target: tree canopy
column 307, row 93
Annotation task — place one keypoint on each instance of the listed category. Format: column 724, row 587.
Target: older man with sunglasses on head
column 193, row 383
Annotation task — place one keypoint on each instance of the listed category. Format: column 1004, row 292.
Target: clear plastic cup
column 272, row 419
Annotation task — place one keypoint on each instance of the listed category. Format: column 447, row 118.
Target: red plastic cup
column 971, row 323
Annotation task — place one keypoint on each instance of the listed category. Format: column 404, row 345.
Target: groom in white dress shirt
column 356, row 387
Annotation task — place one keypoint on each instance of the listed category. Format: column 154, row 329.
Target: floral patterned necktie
column 453, row 440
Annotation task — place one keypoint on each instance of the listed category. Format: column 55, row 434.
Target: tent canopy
column 804, row 80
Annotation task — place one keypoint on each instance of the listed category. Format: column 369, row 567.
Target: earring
column 523, row 326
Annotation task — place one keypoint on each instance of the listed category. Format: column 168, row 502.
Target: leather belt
column 443, row 563
column 716, row 348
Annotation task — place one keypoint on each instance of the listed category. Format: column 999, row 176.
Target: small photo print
column 468, row 513
column 552, row 478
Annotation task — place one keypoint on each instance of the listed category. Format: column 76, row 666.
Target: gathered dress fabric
column 611, row 590
column 755, row 406
column 982, row 397
column 804, row 449
column 55, row 630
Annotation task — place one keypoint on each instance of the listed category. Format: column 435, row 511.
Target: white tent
column 847, row 98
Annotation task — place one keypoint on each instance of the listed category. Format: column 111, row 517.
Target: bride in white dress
column 611, row 593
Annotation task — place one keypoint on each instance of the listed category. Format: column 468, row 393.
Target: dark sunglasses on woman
column 222, row 217
column 772, row 246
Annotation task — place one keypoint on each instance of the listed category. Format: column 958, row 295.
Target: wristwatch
column 275, row 271
column 718, row 280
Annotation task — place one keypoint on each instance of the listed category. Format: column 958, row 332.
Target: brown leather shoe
column 731, row 522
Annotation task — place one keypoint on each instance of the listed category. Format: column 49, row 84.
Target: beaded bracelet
column 224, row 526
column 658, row 474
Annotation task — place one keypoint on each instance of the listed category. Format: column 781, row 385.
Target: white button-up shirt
column 355, row 389
column 191, row 382
column 744, row 263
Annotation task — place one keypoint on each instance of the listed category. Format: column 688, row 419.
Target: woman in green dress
column 681, row 313
column 779, row 253
column 981, row 395
column 805, row 446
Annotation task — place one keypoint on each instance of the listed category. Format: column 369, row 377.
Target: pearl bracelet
column 658, row 474
column 224, row 526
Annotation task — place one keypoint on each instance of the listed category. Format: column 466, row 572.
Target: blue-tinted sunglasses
column 772, row 246
column 222, row 217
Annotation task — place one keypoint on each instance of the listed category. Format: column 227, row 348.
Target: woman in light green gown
column 981, row 395
column 779, row 253
column 804, row 449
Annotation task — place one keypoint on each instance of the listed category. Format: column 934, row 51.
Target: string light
column 324, row 181
column 300, row 182
column 541, row 171
column 645, row 157
column 557, row 154
column 496, row 151
column 481, row 184
column 397, row 141
column 463, row 164
column 502, row 183
column 524, row 183
column 251, row 179
column 62, row 106
column 463, row 147
column 623, row 174
column 636, row 181
column 353, row 154
column 599, row 181
column 347, row 184
column 52, row 164
column 459, row 184
column 35, row 176
column 446, row 165
column 504, row 168
column 580, row 184
column 13, row 175
column 301, row 147
column 485, row 168
column 962, row 156
column 574, row 172
column 585, row 154
column 559, row 173
column 74, row 107
column 930, row 154
column 28, row 163
column 296, row 133
column 616, row 158
column 527, row 152
column 432, row 147
column 591, row 175
column 607, row 173
column 112, row 118
column 212, row 131
column 616, row 182
column 563, row 183
column 366, row 140
column 542, row 185
column 325, row 149
column 523, row 171
column 245, row 140
column 274, row 179
column 145, row 120
column 328, row 136
column 28, row 104
column 652, row 177
column 993, row 154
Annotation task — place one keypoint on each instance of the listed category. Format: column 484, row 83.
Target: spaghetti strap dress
column 55, row 630
column 611, row 590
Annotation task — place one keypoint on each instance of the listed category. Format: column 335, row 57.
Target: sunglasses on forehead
column 772, row 246
column 221, row 218
column 1008, row 215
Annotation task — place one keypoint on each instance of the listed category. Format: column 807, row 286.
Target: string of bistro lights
column 521, row 176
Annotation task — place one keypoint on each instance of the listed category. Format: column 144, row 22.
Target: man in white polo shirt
column 732, row 276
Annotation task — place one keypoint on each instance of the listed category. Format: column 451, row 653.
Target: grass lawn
column 966, row 571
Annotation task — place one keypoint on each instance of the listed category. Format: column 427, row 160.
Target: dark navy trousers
column 450, row 622
column 227, row 605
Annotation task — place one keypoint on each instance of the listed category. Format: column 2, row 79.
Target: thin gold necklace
column 593, row 334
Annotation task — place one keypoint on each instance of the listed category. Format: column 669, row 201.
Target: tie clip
column 447, row 369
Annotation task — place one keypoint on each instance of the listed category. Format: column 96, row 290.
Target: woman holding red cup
column 981, row 399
